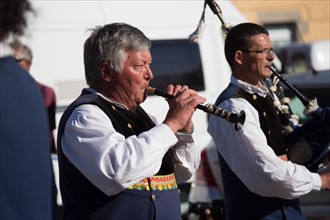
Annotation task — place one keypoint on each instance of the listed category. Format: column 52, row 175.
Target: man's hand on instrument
column 311, row 107
column 182, row 107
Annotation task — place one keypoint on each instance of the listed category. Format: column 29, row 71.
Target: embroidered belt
column 166, row 182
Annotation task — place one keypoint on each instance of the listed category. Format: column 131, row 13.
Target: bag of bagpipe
column 309, row 144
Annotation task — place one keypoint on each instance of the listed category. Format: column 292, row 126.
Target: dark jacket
column 26, row 174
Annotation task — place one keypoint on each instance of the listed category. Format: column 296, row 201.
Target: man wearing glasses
column 24, row 56
column 259, row 183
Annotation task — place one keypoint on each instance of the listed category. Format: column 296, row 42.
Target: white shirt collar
column 107, row 99
column 261, row 90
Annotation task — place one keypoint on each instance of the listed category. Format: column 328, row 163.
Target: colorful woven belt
column 166, row 182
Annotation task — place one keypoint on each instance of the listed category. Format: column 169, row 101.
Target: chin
column 267, row 73
column 140, row 101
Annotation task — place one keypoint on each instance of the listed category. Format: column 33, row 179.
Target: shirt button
column 153, row 197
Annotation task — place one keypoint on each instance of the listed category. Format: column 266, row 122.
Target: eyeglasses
column 264, row 52
column 19, row 60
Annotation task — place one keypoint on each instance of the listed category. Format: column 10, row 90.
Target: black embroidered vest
column 270, row 122
column 240, row 202
column 81, row 197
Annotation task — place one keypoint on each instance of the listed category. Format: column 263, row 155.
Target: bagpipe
column 308, row 144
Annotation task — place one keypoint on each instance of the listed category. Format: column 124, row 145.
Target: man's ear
column 238, row 57
column 105, row 71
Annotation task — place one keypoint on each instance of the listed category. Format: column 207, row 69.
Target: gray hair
column 111, row 43
column 23, row 51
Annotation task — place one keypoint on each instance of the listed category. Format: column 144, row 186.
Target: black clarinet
column 237, row 119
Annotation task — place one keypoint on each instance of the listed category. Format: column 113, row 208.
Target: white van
column 58, row 31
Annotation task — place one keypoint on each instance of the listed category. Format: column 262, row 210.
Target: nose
column 271, row 55
column 149, row 74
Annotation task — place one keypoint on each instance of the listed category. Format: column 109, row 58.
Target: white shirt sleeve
column 187, row 156
column 253, row 161
column 111, row 162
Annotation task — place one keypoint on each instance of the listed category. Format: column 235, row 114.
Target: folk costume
column 257, row 183
column 118, row 164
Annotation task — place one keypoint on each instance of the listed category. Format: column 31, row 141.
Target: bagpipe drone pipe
column 308, row 144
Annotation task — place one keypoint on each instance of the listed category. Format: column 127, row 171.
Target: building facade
column 289, row 21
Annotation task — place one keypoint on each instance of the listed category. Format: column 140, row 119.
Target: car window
column 176, row 62
column 299, row 63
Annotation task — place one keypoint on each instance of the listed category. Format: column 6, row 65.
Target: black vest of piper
column 240, row 202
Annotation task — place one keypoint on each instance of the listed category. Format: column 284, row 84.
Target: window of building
column 282, row 34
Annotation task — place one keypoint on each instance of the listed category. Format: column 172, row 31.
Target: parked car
column 310, row 85
column 304, row 57
column 207, row 190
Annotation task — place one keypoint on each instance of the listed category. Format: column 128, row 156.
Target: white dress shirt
column 111, row 161
column 251, row 159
